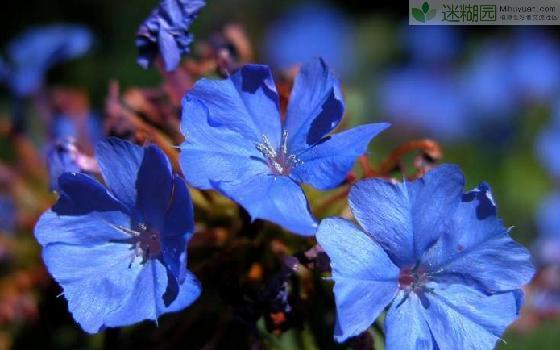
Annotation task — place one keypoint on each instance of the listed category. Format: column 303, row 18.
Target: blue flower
column 311, row 31
column 431, row 44
column 427, row 100
column 7, row 214
column 38, row 49
column 548, row 144
column 119, row 253
column 237, row 143
column 61, row 158
column 534, row 64
column 548, row 243
column 488, row 83
column 166, row 32
column 448, row 272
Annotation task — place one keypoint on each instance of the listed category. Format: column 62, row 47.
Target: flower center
column 413, row 279
column 279, row 160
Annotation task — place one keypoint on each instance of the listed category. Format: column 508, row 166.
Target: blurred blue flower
column 548, row 220
column 434, row 44
column 7, row 214
column 311, row 31
column 65, row 126
column 119, row 253
column 535, row 64
column 61, row 158
column 166, row 32
column 416, row 97
column 487, row 83
column 237, row 143
column 35, row 51
column 548, row 144
column 450, row 278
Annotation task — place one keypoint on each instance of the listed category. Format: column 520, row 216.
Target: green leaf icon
column 425, row 7
column 431, row 14
column 418, row 15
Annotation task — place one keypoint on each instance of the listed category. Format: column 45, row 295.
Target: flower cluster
column 436, row 260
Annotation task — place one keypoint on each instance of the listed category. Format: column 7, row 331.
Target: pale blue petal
column 120, row 161
column 460, row 317
column 408, row 217
column 246, row 103
column 405, row 325
column 214, row 153
column 383, row 210
column 479, row 252
column 154, row 186
column 433, row 199
column 315, row 107
column 95, row 279
column 275, row 198
column 146, row 300
column 325, row 165
column 365, row 278
column 168, row 49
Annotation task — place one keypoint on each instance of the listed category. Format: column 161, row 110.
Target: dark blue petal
column 120, row 161
column 365, row 278
column 179, row 218
column 316, row 106
column 325, row 165
column 405, row 325
column 460, row 317
column 7, row 214
column 246, row 103
column 154, row 186
column 274, row 198
column 85, row 214
column 213, row 153
column 483, row 195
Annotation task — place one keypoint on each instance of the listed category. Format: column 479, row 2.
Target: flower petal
column 405, row 325
column 460, row 317
column 95, row 279
column 246, row 103
column 383, row 210
column 365, row 278
column 85, row 214
column 275, row 198
column 214, row 153
column 179, row 218
column 480, row 252
column 315, row 107
column 147, row 298
column 154, row 186
column 325, row 165
column 168, row 49
column 120, row 161
column 409, row 217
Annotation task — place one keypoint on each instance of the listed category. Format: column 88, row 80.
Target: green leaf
column 418, row 15
column 425, row 7
column 431, row 14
